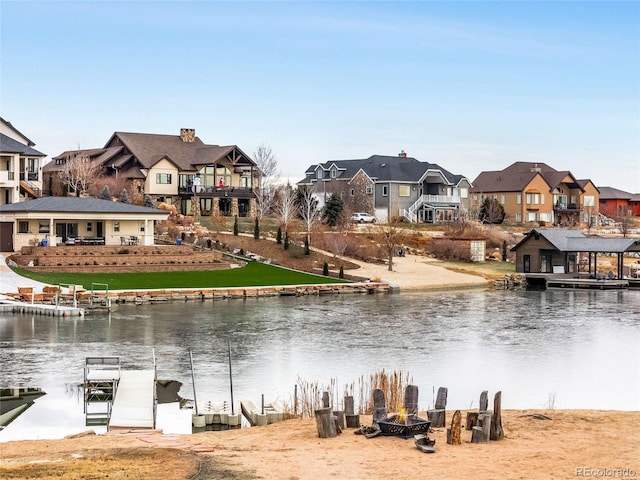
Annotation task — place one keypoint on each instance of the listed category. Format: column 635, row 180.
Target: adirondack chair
column 438, row 414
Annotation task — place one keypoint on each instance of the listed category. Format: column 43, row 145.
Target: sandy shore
column 415, row 272
column 572, row 444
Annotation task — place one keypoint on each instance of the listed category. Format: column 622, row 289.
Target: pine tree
column 235, row 226
column 341, row 274
column 124, row 196
column 325, row 269
column 256, row 229
column 105, row 194
column 279, row 236
column 504, row 250
column 333, row 209
column 286, row 240
column 148, row 201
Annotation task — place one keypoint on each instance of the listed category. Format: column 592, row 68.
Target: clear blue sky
column 471, row 86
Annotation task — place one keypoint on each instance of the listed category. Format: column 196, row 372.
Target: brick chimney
column 188, row 135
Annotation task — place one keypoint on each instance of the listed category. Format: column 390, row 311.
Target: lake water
column 558, row 348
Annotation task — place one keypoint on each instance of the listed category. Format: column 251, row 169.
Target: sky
column 471, row 86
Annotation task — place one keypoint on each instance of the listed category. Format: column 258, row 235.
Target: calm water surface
column 566, row 349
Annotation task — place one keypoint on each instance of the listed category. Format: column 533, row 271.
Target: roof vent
column 383, row 165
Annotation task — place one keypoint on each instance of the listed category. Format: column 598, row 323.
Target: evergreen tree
column 307, row 250
column 124, row 196
column 325, row 269
column 256, row 229
column 341, row 274
column 286, row 240
column 105, row 194
column 148, row 201
column 504, row 250
column 332, row 210
column 235, row 226
column 279, row 236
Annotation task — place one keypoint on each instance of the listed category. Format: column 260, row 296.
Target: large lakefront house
column 179, row 170
column 20, row 166
column 391, row 186
column 537, row 193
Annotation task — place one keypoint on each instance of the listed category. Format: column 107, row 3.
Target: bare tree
column 309, row 209
column 624, row 220
column 266, row 179
column 79, row 173
column 285, row 205
column 391, row 236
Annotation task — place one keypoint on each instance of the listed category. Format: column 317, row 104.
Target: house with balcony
column 181, row 170
column 20, row 166
column 537, row 193
column 391, row 186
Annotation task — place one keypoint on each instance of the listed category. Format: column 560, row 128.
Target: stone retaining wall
column 87, row 259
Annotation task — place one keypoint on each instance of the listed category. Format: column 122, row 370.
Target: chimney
column 536, row 168
column 188, row 135
column 402, row 154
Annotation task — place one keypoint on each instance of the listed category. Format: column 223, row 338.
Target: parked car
column 362, row 217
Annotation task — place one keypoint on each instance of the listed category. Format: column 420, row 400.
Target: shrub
column 325, row 269
column 446, row 249
column 341, row 274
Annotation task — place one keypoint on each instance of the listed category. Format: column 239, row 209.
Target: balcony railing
column 566, row 207
column 7, row 176
column 30, row 176
column 203, row 191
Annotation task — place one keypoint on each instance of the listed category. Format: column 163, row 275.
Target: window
column 518, row 217
column 43, row 226
column 404, row 191
column 589, row 201
column 319, row 174
column 163, row 178
column 532, row 216
column 59, row 161
column 333, row 173
column 369, row 190
column 533, row 198
column 116, row 226
column 464, row 192
column 385, row 190
column 141, row 227
column 519, row 198
column 23, row 227
column 89, row 227
column 353, row 192
column 503, row 199
column 545, row 217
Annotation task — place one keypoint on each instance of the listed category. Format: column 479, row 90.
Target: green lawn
column 254, row 274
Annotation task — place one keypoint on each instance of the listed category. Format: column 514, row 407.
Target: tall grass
column 393, row 384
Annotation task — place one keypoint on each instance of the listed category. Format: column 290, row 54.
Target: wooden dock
column 567, row 281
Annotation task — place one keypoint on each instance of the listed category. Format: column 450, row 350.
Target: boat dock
column 121, row 399
column 577, row 282
column 135, row 400
column 11, row 306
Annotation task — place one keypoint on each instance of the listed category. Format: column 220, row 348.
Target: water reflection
column 531, row 345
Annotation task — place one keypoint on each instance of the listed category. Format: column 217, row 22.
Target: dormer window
column 333, row 173
column 319, row 174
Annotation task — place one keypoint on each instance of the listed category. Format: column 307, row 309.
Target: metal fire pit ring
column 392, row 426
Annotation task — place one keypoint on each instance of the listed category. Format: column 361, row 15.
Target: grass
column 491, row 270
column 254, row 274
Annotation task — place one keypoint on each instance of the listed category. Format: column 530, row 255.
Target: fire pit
column 405, row 426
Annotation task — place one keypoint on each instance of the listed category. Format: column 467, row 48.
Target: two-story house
column 20, row 166
column 536, row 192
column 391, row 186
column 198, row 179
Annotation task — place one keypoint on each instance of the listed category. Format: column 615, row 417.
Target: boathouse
column 567, row 251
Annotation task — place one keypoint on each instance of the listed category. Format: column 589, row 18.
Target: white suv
column 362, row 217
